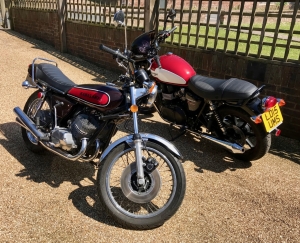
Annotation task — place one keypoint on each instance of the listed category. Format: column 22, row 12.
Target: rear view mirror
column 119, row 17
column 171, row 14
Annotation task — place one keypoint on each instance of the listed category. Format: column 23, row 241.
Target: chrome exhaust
column 95, row 154
column 25, row 122
column 65, row 155
column 235, row 148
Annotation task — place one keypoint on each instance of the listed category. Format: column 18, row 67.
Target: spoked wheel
column 242, row 130
column 34, row 107
column 138, row 207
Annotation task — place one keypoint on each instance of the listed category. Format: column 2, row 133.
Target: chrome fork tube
column 137, row 142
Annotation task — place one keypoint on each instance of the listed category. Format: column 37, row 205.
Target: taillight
column 268, row 102
column 40, row 95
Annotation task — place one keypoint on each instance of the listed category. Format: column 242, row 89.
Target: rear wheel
column 135, row 207
column 242, row 130
column 33, row 107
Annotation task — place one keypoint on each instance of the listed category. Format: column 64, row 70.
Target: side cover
column 102, row 97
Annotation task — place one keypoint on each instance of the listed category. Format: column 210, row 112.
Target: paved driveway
column 45, row 198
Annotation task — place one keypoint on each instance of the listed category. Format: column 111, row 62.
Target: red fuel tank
column 102, row 97
column 174, row 70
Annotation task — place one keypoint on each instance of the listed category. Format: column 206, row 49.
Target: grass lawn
column 266, row 50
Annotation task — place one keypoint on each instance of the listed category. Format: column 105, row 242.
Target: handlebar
column 171, row 30
column 113, row 52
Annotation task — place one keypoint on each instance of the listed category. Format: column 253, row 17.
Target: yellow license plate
column 272, row 118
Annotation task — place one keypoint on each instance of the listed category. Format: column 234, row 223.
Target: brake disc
column 133, row 191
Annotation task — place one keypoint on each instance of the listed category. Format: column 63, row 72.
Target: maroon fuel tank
column 102, row 97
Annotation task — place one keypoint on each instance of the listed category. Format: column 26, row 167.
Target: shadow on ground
column 286, row 148
column 54, row 170
column 100, row 74
column 204, row 154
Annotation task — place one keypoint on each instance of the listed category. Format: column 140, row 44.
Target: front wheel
column 135, row 207
column 242, row 130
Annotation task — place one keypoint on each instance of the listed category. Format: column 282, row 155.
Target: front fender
column 145, row 136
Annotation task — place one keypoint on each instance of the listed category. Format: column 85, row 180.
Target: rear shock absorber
column 212, row 107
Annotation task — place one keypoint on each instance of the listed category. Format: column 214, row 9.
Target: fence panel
column 36, row 4
column 102, row 12
column 268, row 30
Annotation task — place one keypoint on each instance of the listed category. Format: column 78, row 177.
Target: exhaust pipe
column 235, row 148
column 77, row 156
column 25, row 122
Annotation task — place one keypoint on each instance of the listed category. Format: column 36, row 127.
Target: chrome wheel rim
column 127, row 200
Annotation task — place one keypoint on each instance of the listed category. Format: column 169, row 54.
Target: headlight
column 152, row 95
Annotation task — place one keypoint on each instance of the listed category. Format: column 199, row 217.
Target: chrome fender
column 145, row 137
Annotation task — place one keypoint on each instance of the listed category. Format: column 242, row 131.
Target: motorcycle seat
column 54, row 77
column 221, row 89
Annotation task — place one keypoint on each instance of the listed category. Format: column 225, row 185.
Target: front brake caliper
column 150, row 164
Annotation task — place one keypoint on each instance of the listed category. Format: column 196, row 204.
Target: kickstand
column 182, row 132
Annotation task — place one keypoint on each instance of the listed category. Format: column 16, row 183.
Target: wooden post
column 2, row 8
column 62, row 15
column 151, row 15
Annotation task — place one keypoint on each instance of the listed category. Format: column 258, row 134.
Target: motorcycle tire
column 147, row 110
column 31, row 143
column 133, row 207
column 245, row 132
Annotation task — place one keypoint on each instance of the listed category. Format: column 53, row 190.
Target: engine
column 178, row 104
column 83, row 126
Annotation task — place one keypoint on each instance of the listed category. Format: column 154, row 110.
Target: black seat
column 221, row 89
column 54, row 77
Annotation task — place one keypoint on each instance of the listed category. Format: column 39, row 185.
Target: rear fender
column 145, row 137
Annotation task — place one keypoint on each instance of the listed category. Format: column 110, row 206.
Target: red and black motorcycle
column 227, row 112
column 140, row 179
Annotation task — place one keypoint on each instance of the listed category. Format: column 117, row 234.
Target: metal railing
column 269, row 30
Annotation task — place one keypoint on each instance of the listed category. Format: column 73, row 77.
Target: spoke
column 244, row 124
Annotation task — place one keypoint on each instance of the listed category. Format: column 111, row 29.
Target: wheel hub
column 236, row 135
column 133, row 191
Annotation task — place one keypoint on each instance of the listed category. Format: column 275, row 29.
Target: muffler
column 235, row 148
column 25, row 122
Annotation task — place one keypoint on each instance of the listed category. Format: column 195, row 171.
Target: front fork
column 137, row 139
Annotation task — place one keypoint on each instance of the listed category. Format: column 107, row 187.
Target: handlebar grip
column 113, row 52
